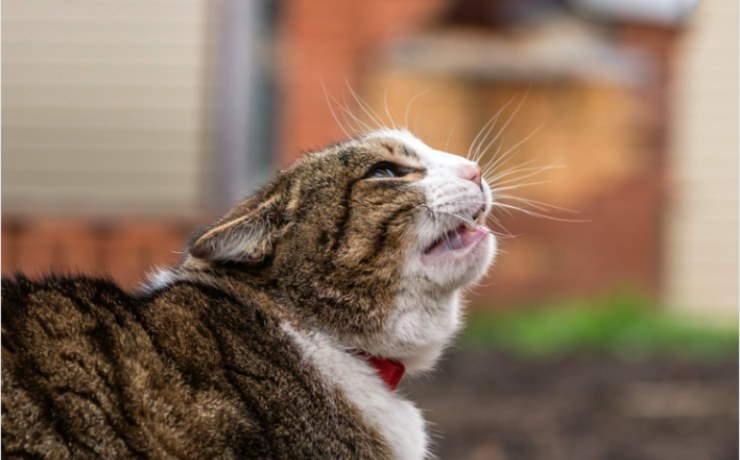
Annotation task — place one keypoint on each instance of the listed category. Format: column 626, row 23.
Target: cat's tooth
column 455, row 241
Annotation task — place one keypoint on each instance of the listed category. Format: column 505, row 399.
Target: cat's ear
column 246, row 235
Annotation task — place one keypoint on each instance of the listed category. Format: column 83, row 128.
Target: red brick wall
column 123, row 248
column 330, row 42
column 615, row 248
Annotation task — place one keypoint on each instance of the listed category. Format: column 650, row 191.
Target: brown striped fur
column 199, row 364
column 189, row 372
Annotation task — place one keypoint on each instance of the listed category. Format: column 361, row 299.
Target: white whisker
column 333, row 113
column 503, row 156
column 365, row 107
column 518, row 186
column 487, row 128
column 506, row 124
column 526, row 171
column 536, row 203
column 385, row 105
column 359, row 125
column 408, row 107
column 536, row 214
column 449, row 136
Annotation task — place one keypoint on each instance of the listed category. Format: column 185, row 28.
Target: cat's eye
column 383, row 172
column 386, row 170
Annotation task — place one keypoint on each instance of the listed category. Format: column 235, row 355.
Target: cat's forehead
column 403, row 138
column 425, row 155
column 386, row 144
column 355, row 156
column 400, row 143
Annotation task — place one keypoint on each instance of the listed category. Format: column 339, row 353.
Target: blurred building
column 126, row 125
column 104, row 106
column 701, row 246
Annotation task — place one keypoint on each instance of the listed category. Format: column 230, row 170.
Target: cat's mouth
column 460, row 238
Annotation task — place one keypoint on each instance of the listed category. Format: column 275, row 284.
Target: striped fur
column 247, row 348
column 188, row 372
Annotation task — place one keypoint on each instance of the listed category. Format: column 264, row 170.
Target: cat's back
column 56, row 307
column 52, row 364
column 189, row 372
column 76, row 315
column 83, row 377
column 78, row 365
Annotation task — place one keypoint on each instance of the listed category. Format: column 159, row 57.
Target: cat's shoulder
column 19, row 284
column 21, row 294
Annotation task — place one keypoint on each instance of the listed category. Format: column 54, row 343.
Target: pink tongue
column 460, row 238
column 463, row 237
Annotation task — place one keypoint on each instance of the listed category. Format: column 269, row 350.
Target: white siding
column 702, row 251
column 104, row 104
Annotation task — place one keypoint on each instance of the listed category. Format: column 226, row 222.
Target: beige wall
column 103, row 105
column 702, row 253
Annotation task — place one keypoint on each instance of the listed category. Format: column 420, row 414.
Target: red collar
column 389, row 370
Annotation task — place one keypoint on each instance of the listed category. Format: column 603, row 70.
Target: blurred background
column 610, row 332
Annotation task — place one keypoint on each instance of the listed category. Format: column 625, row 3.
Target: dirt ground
column 494, row 405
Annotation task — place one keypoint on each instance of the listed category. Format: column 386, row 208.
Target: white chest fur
column 397, row 420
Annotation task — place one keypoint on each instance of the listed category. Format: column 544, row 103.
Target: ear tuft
column 247, row 238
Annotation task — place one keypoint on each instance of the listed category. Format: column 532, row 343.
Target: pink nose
column 472, row 173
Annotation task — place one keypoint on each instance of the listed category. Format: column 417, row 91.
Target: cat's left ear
column 246, row 235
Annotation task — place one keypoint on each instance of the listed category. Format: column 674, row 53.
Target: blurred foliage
column 620, row 324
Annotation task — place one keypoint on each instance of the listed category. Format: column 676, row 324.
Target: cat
column 282, row 333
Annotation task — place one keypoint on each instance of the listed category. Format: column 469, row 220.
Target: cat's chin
column 425, row 359
column 454, row 268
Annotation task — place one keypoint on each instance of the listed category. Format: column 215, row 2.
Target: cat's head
column 370, row 240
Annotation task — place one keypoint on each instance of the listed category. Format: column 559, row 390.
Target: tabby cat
column 281, row 334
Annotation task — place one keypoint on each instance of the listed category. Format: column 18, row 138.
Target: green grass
column 619, row 324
